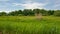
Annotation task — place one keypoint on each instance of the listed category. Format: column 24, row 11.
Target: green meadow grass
column 29, row 25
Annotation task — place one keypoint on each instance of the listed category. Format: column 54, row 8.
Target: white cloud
column 4, row 11
column 4, row 0
column 57, row 5
column 31, row 5
column 57, row 1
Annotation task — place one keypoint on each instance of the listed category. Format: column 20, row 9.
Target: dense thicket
column 30, row 12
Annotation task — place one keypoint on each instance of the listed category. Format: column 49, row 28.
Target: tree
column 19, row 11
column 36, row 11
column 44, row 12
column 50, row 12
column 28, row 12
column 57, row 13
column 3, row 14
column 13, row 13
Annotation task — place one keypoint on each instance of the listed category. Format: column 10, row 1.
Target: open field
column 29, row 25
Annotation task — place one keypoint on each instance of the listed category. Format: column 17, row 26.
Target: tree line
column 30, row 12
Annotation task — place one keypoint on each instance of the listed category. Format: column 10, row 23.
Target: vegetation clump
column 30, row 12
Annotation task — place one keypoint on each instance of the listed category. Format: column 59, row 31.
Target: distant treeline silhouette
column 30, row 12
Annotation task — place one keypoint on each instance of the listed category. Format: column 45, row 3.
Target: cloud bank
column 9, row 5
column 4, row 0
column 30, row 4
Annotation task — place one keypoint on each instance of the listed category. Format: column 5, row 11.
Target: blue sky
column 11, row 5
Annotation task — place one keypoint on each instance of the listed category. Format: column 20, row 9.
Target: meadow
column 29, row 25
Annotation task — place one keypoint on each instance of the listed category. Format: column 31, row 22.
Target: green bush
column 57, row 13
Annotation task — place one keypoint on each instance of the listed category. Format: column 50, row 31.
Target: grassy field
column 29, row 25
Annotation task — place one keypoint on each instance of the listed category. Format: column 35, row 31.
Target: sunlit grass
column 29, row 25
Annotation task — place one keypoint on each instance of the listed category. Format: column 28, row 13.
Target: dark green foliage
column 15, row 13
column 51, row 12
column 57, row 13
column 36, row 11
column 30, row 12
column 44, row 12
column 3, row 13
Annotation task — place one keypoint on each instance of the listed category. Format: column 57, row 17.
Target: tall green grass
column 29, row 25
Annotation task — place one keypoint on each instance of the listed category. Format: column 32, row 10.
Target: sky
column 11, row 5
